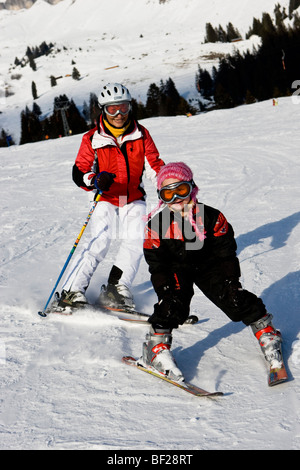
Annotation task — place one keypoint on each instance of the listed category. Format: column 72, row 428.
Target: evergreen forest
column 269, row 72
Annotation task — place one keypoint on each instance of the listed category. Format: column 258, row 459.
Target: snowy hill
column 63, row 385
column 19, row 4
column 137, row 43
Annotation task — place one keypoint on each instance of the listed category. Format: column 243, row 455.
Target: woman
column 112, row 159
column 188, row 243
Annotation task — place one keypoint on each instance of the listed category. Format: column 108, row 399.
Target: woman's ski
column 125, row 314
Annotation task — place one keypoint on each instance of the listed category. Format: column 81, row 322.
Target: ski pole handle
column 93, row 207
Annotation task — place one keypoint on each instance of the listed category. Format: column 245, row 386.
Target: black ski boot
column 116, row 296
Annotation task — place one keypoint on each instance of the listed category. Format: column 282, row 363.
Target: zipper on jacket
column 124, row 152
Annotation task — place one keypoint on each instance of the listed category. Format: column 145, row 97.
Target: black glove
column 232, row 292
column 169, row 312
column 104, row 180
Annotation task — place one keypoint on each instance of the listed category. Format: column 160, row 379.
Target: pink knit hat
column 182, row 172
column 178, row 170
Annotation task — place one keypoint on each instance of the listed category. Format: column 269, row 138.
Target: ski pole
column 93, row 207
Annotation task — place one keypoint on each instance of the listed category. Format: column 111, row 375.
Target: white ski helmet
column 113, row 93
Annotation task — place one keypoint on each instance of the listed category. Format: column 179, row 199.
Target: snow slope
column 63, row 385
column 136, row 43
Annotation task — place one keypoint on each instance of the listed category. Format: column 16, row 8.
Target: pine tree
column 223, row 99
column 35, row 128
column 76, row 122
column 267, row 25
column 153, row 100
column 138, row 109
column 222, row 37
column 249, row 98
column 204, row 83
column 25, row 135
column 32, row 63
column 75, row 74
column 280, row 16
column 172, row 97
column 265, row 73
column 232, row 33
column 29, row 52
column 293, row 5
column 53, row 81
column 31, row 127
column 34, row 91
column 36, row 110
column 86, row 112
column 3, row 142
column 256, row 28
column 94, row 109
column 211, row 33
column 171, row 103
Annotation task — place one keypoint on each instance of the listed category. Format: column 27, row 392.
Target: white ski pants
column 108, row 223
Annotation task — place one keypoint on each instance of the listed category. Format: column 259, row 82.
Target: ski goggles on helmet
column 118, row 108
column 180, row 190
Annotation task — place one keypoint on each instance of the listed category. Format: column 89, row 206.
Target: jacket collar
column 102, row 138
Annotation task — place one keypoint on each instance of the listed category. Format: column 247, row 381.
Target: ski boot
column 157, row 354
column 71, row 299
column 116, row 297
column 269, row 340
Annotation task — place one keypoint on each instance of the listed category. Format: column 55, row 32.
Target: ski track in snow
column 63, row 385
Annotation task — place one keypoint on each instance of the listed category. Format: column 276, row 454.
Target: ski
column 130, row 315
column 139, row 317
column 191, row 320
column 186, row 386
column 277, row 375
column 125, row 314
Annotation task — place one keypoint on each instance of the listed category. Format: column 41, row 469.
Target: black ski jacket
column 173, row 251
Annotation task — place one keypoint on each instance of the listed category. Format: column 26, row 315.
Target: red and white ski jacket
column 169, row 247
column 127, row 159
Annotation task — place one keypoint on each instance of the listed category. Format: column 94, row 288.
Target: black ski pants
column 237, row 303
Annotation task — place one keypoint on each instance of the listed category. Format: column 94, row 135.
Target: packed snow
column 63, row 385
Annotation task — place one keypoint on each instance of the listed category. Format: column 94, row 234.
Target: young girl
column 186, row 244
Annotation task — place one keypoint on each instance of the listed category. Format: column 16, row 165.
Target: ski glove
column 232, row 292
column 103, row 180
column 169, row 312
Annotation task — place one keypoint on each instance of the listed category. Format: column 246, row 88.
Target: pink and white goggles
column 118, row 108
